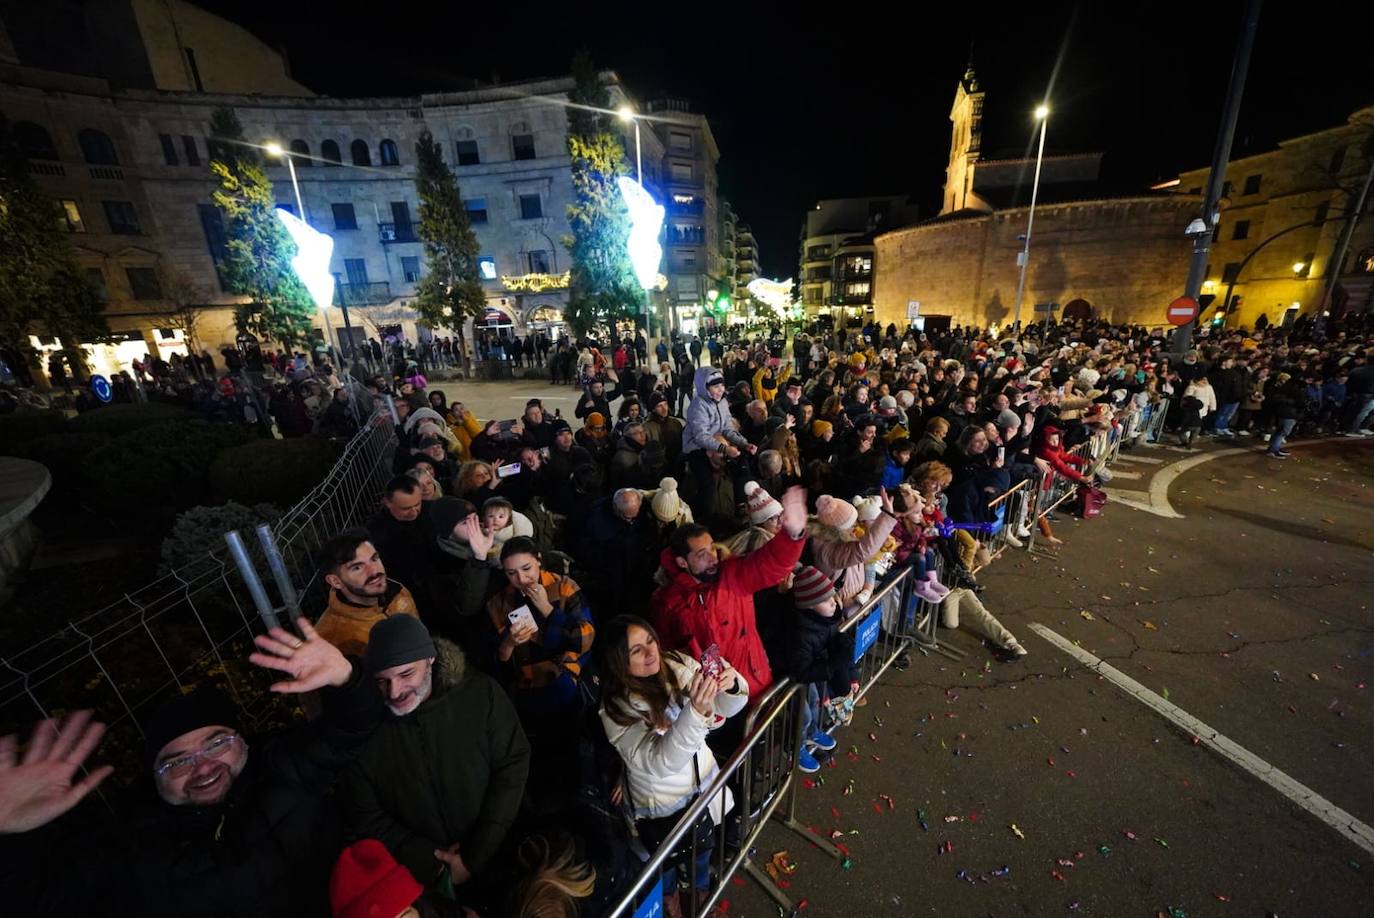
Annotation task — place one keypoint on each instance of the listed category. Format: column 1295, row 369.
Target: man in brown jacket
column 360, row 595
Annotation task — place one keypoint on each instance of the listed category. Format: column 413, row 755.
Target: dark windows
column 522, row 146
column 344, row 217
column 122, row 217
column 169, row 149
column 212, row 224
column 477, row 209
column 144, row 283
column 467, row 153
column 188, row 146
column 96, row 278
column 1252, row 184
column 300, row 154
column 400, row 218
column 1230, row 272
column 1337, row 159
column 1322, row 209
column 34, row 140
column 388, row 154
column 539, row 262
column 410, row 267
column 195, row 69
column 531, row 208
column 1226, row 188
column 97, row 148
column 356, row 268
column 1241, row 230
column 362, row 156
column 329, row 152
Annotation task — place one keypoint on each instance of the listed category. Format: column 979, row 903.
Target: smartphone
column 711, row 663
column 1001, row 454
column 544, row 451
column 506, row 471
column 507, row 433
column 521, row 617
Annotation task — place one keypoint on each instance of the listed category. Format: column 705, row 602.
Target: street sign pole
column 1221, row 154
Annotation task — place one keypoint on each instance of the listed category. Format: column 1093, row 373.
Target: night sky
column 854, row 100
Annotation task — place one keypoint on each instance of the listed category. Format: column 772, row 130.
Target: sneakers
column 1023, row 531
column 822, row 741
column 1014, row 647
column 1281, row 454
column 807, row 762
column 1012, row 539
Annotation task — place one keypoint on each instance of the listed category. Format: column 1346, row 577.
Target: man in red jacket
column 709, row 601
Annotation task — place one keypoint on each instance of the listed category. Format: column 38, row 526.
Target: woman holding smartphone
column 657, row 709
column 543, row 633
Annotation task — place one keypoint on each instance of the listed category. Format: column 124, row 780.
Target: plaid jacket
column 565, row 635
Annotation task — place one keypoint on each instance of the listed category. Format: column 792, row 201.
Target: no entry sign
column 1182, row 311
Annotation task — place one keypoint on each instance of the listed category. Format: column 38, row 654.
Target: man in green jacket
column 440, row 782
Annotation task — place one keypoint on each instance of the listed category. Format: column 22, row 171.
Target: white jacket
column 659, row 778
column 1205, row 394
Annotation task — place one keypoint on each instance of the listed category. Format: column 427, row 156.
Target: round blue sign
column 100, row 386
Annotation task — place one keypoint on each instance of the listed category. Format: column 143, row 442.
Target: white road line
column 1132, row 457
column 1124, row 475
column 1335, row 817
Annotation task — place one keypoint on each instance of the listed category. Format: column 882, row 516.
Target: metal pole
column 1030, row 222
column 1333, row 267
column 1221, row 155
column 639, row 163
column 275, row 562
column 250, row 576
column 295, row 186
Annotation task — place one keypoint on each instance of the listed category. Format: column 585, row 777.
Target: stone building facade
column 1293, row 195
column 836, row 272
column 130, row 169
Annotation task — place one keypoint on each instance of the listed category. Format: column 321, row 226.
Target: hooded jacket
column 1063, row 462
column 708, row 421
column 691, row 614
column 452, row 770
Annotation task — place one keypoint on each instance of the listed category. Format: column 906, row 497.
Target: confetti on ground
column 1017, row 832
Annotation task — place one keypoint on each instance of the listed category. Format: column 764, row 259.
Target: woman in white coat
column 657, row 708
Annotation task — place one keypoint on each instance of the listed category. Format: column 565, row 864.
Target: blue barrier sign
column 867, row 632
column 652, row 906
column 100, row 388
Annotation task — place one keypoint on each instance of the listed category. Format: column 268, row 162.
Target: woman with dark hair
column 657, row 710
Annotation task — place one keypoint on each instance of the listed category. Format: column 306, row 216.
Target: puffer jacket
column 841, row 557
column 691, row 614
column 346, row 625
column 708, row 420
column 452, row 770
column 660, row 777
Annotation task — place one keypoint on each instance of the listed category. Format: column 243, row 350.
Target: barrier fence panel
column 192, row 625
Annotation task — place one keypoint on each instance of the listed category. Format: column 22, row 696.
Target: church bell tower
column 965, row 143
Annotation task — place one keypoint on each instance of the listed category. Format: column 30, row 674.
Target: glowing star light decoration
column 313, row 250
column 646, row 222
column 776, row 295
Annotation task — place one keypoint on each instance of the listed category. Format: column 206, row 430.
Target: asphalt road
column 1250, row 613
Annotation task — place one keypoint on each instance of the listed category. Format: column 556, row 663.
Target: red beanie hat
column 810, row 587
column 368, row 883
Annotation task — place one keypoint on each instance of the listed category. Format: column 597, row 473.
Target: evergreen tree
column 450, row 292
column 603, row 285
column 42, row 289
column 258, row 249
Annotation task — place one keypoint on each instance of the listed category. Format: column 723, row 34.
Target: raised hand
column 38, row 789
column 794, row 511
column 312, row 663
column 469, row 529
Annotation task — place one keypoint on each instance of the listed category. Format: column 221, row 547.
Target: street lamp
column 627, row 115
column 1042, row 114
column 275, row 149
column 1298, row 267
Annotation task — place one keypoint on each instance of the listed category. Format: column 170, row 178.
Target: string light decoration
column 536, row 283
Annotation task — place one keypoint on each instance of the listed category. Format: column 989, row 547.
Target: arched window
column 362, row 156
column 388, row 154
column 300, row 151
column 329, row 152
column 34, row 140
column 1364, row 263
column 97, row 148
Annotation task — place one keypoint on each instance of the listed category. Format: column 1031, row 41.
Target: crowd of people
column 536, row 654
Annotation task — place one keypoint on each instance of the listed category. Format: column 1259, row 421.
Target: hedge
column 23, row 426
column 159, row 468
column 200, row 531
column 120, row 419
column 278, row 472
column 63, row 455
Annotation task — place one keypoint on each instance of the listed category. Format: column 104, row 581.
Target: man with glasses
column 239, row 825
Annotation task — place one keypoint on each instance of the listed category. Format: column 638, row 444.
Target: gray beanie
column 1008, row 418
column 397, row 640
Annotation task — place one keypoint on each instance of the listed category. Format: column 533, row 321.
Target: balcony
column 46, row 167
column 693, row 206
column 106, row 173
column 396, row 232
column 684, row 236
column 362, row 294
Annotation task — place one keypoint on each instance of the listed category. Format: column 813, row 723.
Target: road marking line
column 1306, row 798
column 1124, row 475
column 1132, row 457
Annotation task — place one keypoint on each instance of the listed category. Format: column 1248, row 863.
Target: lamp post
column 627, row 115
column 1042, row 114
column 275, row 149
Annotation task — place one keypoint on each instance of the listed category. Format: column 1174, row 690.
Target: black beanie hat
column 446, row 513
column 558, row 425
column 205, row 707
column 396, row 640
